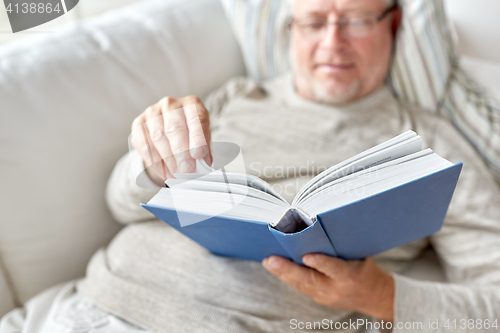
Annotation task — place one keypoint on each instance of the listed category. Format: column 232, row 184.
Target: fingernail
column 198, row 152
column 309, row 260
column 272, row 263
column 185, row 167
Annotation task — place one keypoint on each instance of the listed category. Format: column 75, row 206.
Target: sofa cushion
column 68, row 100
column 476, row 25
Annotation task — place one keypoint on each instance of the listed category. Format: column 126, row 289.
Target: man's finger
column 197, row 140
column 178, row 136
column 155, row 135
column 304, row 279
column 138, row 141
column 150, row 156
column 332, row 267
column 159, row 167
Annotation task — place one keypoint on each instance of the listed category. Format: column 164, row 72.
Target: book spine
column 313, row 239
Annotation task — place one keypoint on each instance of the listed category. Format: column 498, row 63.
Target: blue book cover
column 354, row 231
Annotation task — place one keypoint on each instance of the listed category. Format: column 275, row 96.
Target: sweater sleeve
column 468, row 247
column 217, row 101
column 124, row 196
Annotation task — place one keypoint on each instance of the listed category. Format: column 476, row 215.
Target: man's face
column 331, row 67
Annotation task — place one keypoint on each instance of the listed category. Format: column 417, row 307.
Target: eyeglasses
column 358, row 25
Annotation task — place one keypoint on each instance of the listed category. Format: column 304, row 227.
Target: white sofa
column 476, row 24
column 67, row 101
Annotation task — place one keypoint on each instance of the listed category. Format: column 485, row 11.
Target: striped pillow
column 476, row 113
column 261, row 29
column 425, row 69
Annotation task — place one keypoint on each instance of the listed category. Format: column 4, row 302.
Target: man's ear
column 396, row 21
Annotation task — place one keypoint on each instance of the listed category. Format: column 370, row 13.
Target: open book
column 384, row 197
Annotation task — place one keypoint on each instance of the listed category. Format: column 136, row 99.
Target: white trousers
column 62, row 310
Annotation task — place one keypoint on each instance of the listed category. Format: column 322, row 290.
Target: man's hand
column 348, row 285
column 170, row 135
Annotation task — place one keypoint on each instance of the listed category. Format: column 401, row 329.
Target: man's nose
column 332, row 37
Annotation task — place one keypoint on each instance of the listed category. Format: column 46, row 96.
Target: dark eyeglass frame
column 382, row 16
column 387, row 12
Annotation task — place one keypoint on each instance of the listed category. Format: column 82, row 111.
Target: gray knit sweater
column 156, row 278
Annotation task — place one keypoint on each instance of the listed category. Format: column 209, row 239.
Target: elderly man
column 333, row 105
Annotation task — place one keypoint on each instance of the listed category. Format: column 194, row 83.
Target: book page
column 197, row 185
column 372, row 182
column 404, row 144
column 205, row 173
column 373, row 171
column 213, row 204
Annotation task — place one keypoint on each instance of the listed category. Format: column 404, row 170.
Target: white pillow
column 67, row 103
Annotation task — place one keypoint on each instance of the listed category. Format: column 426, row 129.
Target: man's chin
column 336, row 93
